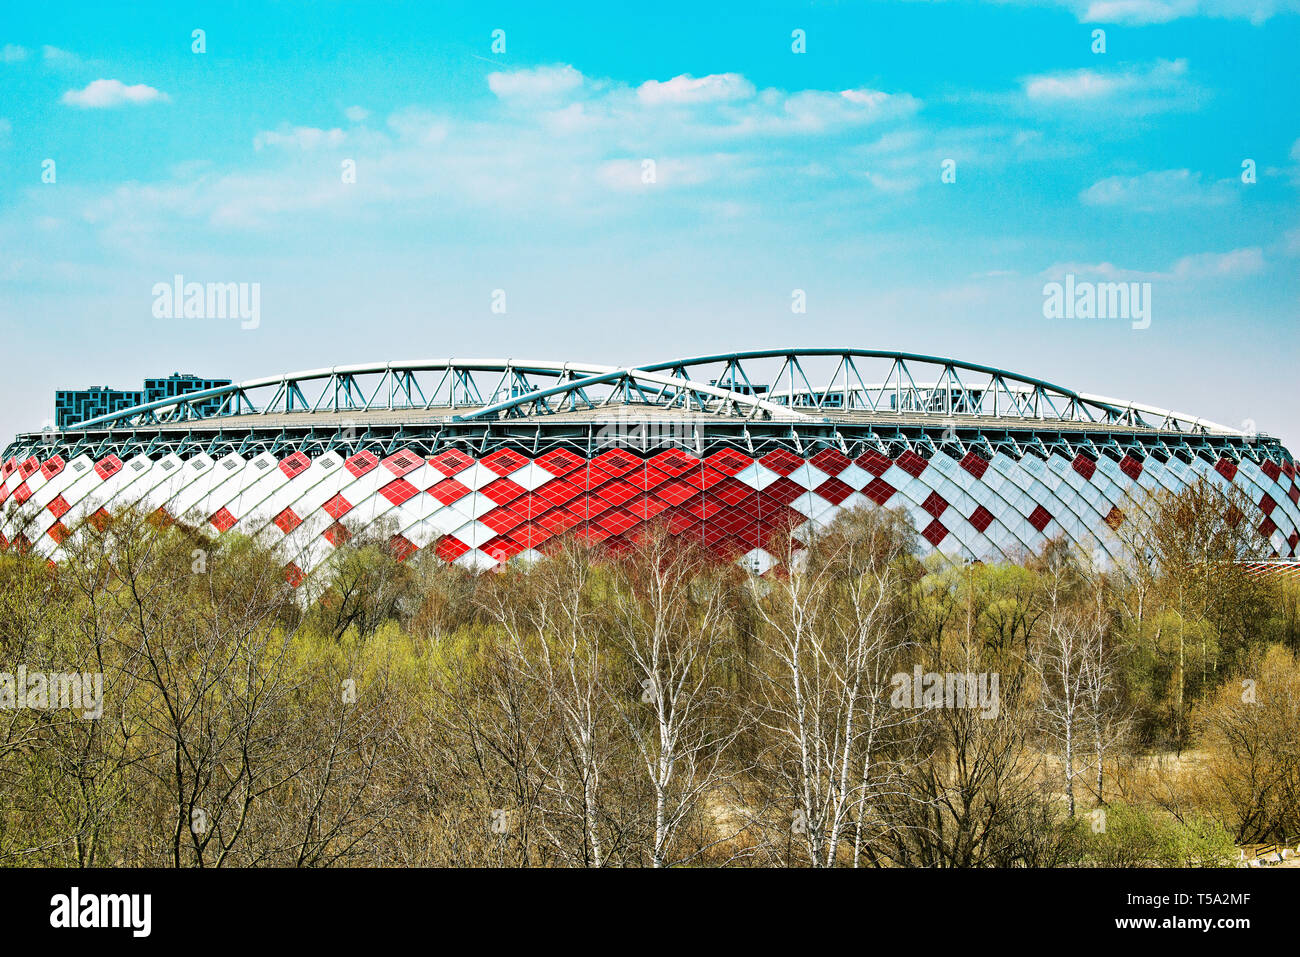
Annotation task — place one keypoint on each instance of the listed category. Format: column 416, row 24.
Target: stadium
column 488, row 461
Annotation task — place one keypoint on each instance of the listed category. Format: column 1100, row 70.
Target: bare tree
column 669, row 608
column 825, row 656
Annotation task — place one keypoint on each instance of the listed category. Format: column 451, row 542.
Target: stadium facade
column 486, row 461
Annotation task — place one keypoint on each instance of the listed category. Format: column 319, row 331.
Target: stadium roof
column 837, row 395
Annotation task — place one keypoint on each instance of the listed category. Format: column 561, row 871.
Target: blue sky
column 522, row 171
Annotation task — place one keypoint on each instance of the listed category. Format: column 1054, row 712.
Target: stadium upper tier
column 487, row 459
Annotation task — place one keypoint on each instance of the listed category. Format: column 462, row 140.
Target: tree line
column 860, row 705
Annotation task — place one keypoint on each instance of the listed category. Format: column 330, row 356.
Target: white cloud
column 299, row 137
column 11, row 53
column 101, row 94
column 419, row 126
column 1232, row 265
column 1077, row 86
column 817, row 110
column 1143, row 12
column 1162, row 189
column 555, row 158
column 59, row 58
column 357, row 114
column 539, row 83
column 1236, row 264
column 684, row 89
column 1146, row 12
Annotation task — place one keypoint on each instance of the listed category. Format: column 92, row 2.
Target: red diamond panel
column 336, row 534
column 402, row 548
column 728, row 461
column 1039, row 517
column 834, row 491
column 501, row 491
column 975, row 464
column 361, row 463
column 295, row 464
column 58, row 506
column 108, row 466
column 981, row 518
column 1271, row 469
column 873, row 461
column 1266, row 504
column 501, row 548
column 704, row 507
column 646, row 477
column 616, row 462
column 879, row 491
column 591, row 533
column 934, row 504
column 503, row 461
column 587, row 476
column 449, row 549
column 676, row 491
column 336, row 507
column 399, row 491
column 781, row 492
column 287, row 521
column 674, row 462
column 222, row 520
column 448, row 491
column 617, row 521
column 293, row 575
column 911, row 463
column 1084, row 465
column 22, row 493
column 781, row 461
column 935, row 533
column 451, row 461
column 646, row 506
column 52, row 467
column 530, row 535
column 1267, row 527
column 830, row 461
column 559, row 462
column 399, row 463
column 704, row 478
column 57, row 532
column 557, row 492
column 502, row 519
column 589, row 504
column 617, row 492
column 681, row 522
column 1227, row 469
column 1130, row 466
column 558, row 521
